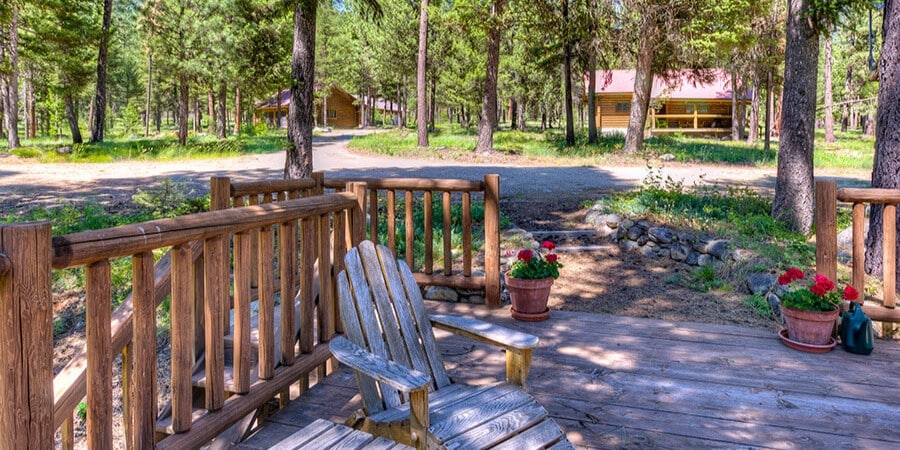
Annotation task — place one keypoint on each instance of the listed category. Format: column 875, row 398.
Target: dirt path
column 24, row 184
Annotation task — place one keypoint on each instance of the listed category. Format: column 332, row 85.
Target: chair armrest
column 395, row 375
column 485, row 332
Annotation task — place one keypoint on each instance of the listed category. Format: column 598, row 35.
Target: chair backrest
column 383, row 312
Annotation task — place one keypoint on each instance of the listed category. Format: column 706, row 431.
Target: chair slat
column 366, row 308
column 539, row 436
column 414, row 297
column 386, row 315
column 353, row 331
column 405, row 318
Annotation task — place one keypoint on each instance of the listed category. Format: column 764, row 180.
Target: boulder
column 775, row 304
column 760, row 283
column 679, row 252
column 634, row 233
column 719, row 248
column 64, row 150
column 600, row 219
column 692, row 258
column 649, row 251
column 628, row 245
column 441, row 293
column 706, row 261
column 742, row 254
column 643, row 224
column 664, row 253
column 643, row 240
column 661, row 235
column 845, row 237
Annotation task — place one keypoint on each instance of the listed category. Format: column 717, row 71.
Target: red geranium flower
column 784, row 280
column 794, row 274
column 850, row 293
column 818, row 289
column 548, row 245
column 525, row 255
column 551, row 258
column 822, row 280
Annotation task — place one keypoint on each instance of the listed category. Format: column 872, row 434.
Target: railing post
column 26, row 337
column 219, row 193
column 320, row 182
column 695, row 117
column 826, row 228
column 492, row 240
column 358, row 216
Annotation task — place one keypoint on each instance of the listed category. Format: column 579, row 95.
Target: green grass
column 851, row 151
column 160, row 148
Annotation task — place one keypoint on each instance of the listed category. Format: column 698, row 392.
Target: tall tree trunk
column 31, row 106
column 794, row 192
column 72, row 119
column 592, row 98
column 11, row 99
column 845, row 109
column 325, row 112
column 184, row 96
column 298, row 162
column 735, row 110
column 149, row 95
column 754, row 111
column 829, row 111
column 869, row 127
column 421, row 87
column 567, row 79
column 98, row 116
column 543, row 118
column 432, row 114
column 770, row 105
column 643, row 84
column 211, row 111
column 886, row 167
column 237, row 111
column 220, row 111
column 489, row 103
column 521, row 115
column 513, row 113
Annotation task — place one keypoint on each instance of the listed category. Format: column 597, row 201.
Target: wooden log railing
column 695, row 116
column 200, row 284
column 385, row 192
column 827, row 196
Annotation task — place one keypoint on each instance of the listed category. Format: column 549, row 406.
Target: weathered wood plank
column 474, row 411
column 859, row 249
column 467, row 233
column 484, row 331
column 99, row 375
column 392, row 220
column 354, row 332
column 287, row 263
column 373, row 215
column 216, row 292
column 889, row 245
column 426, row 333
column 447, row 231
column 492, row 240
column 539, row 436
column 305, row 435
column 383, row 370
column 308, row 253
column 182, row 308
column 326, row 282
column 415, row 184
column 266, row 302
column 410, row 229
column 428, row 205
column 499, row 428
column 368, row 319
column 145, row 387
column 242, row 281
column 386, row 316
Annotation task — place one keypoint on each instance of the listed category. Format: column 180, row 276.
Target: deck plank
column 614, row 382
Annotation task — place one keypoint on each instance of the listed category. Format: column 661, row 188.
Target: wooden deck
column 622, row 382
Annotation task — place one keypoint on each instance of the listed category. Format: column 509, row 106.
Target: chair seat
column 499, row 416
column 322, row 434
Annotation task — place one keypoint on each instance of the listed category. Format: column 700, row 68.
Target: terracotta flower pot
column 810, row 327
column 529, row 298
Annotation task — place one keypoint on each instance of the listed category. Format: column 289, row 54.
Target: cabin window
column 332, row 114
column 702, row 108
column 622, row 107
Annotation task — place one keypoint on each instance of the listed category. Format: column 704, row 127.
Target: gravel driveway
column 24, row 185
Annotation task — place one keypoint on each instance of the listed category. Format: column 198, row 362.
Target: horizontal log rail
column 696, row 116
column 414, row 184
column 827, row 196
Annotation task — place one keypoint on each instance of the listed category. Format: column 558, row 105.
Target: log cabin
column 684, row 102
column 343, row 109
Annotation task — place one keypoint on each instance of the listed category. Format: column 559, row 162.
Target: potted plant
column 810, row 310
column 529, row 280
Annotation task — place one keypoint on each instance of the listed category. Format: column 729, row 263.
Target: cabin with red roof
column 686, row 101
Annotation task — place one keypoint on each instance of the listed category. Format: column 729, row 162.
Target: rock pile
column 665, row 242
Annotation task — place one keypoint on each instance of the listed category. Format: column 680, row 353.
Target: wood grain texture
column 485, row 332
column 428, row 206
column 410, row 229
column 240, row 188
column 889, row 243
column 859, row 250
column 419, row 418
column 326, row 283
column 448, row 246
column 99, row 374
column 385, row 371
column 144, row 364
column 26, row 340
column 340, row 251
column 426, row 333
column 358, row 214
column 869, row 195
column 309, row 243
column 826, row 228
column 467, row 233
column 492, row 240
column 266, row 302
column 128, row 394
column 241, row 333
column 287, row 263
column 385, row 315
column 373, row 215
column 411, row 184
column 499, row 428
column 455, row 281
column 353, row 329
column 182, row 327
column 542, row 435
column 216, row 293
column 391, row 205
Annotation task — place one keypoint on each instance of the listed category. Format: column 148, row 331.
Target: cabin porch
column 624, row 382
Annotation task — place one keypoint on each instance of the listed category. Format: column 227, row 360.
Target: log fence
column 262, row 241
column 827, row 196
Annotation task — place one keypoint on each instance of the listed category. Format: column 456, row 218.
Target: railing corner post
column 219, row 193
column 492, row 240
column 358, row 216
column 319, row 178
column 26, row 337
column 826, row 228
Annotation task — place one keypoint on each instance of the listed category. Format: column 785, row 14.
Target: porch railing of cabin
column 35, row 403
column 827, row 196
column 695, row 116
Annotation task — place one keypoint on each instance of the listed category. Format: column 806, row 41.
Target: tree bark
column 149, row 95
column 11, row 99
column 829, row 110
column 735, row 109
column 72, row 119
column 643, row 84
column 220, row 111
column 770, row 105
column 886, row 167
column 421, row 87
column 432, row 113
column 488, row 119
column 567, row 80
column 298, row 161
column 753, row 135
column 845, row 109
column 237, row 111
column 98, row 111
column 592, row 98
column 522, row 115
column 794, row 191
column 184, row 96
column 211, row 111
column 513, row 113
column 30, row 106
column 196, row 124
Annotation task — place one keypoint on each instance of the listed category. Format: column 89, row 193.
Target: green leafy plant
column 820, row 295
column 759, row 304
column 533, row 265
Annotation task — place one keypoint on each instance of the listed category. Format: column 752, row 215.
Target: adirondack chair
column 407, row 395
